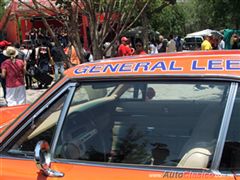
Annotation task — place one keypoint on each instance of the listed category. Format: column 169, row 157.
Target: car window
column 197, row 91
column 42, row 127
column 87, row 93
column 132, row 93
column 180, row 131
column 231, row 153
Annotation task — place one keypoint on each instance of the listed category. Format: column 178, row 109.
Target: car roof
column 193, row 36
column 225, row 63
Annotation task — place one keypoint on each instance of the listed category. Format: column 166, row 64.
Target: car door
column 230, row 159
column 91, row 136
column 18, row 151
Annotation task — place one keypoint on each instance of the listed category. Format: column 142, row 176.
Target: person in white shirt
column 108, row 53
column 152, row 48
column 221, row 44
column 171, row 46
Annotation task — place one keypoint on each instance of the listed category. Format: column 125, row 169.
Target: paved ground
column 32, row 95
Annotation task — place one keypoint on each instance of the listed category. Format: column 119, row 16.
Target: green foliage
column 195, row 15
column 107, row 19
column 170, row 21
column 215, row 14
column 2, row 7
column 225, row 13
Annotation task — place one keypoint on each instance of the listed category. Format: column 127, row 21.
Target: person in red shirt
column 3, row 45
column 139, row 48
column 124, row 49
column 13, row 71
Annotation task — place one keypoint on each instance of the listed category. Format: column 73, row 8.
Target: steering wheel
column 78, row 129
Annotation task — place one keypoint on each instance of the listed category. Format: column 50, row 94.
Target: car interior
column 180, row 133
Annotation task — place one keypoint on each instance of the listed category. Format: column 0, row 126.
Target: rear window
column 193, row 39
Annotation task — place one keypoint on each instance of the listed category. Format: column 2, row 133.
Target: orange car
column 165, row 116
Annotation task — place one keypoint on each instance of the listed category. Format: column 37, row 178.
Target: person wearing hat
column 206, row 44
column 3, row 45
column 13, row 71
column 124, row 49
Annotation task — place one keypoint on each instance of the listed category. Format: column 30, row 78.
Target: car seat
column 198, row 150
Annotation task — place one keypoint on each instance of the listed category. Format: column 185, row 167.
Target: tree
column 225, row 13
column 213, row 14
column 105, row 18
column 149, row 13
column 171, row 20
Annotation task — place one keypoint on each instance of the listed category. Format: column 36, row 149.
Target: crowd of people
column 160, row 45
column 212, row 43
column 39, row 35
column 21, row 64
column 173, row 44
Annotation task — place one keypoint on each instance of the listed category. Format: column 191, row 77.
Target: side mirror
column 43, row 159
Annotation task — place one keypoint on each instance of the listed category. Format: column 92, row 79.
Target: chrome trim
column 62, row 117
column 157, row 168
column 31, row 120
column 42, row 158
column 224, row 127
column 236, row 174
column 220, row 174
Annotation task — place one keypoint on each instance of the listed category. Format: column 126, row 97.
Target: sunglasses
column 138, row 45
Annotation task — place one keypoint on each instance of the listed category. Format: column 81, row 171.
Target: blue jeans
column 58, row 65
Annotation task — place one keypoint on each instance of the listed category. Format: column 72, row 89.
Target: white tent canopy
column 205, row 32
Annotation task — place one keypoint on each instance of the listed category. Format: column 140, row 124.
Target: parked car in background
column 159, row 116
column 192, row 42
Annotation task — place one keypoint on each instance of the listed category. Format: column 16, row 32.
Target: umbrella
column 217, row 34
column 206, row 32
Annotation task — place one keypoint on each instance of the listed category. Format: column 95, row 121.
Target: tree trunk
column 52, row 33
column 79, row 47
column 97, row 52
column 145, row 24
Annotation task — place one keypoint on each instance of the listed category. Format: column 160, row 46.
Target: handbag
column 51, row 61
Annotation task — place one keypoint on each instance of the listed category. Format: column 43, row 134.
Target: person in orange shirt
column 72, row 54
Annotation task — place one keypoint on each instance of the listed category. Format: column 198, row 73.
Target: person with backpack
column 41, row 72
column 43, row 57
